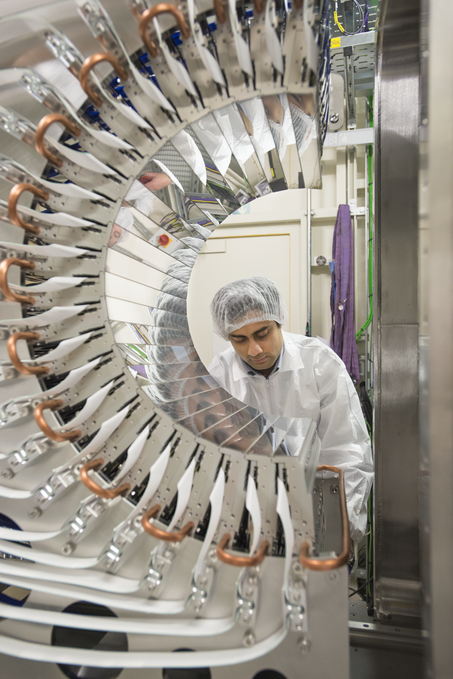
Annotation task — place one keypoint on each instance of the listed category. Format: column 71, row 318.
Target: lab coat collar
column 289, row 359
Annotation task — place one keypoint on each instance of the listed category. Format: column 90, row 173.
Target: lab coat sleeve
column 344, row 438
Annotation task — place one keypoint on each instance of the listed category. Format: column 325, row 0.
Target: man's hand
column 155, row 180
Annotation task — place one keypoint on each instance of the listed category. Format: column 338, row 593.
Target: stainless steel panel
column 396, row 311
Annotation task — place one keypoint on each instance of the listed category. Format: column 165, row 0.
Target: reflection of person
column 294, row 376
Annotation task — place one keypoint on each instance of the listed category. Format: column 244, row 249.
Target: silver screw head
column 7, row 473
column 249, row 639
column 34, row 513
column 334, row 118
column 334, row 490
column 304, row 646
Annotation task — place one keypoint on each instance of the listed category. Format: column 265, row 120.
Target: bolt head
column 67, row 549
column 34, row 513
column 7, row 473
column 304, row 646
column 334, row 118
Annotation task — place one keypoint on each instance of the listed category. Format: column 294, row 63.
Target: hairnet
column 249, row 300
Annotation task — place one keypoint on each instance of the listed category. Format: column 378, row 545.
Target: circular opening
column 186, row 672
column 269, row 674
column 89, row 639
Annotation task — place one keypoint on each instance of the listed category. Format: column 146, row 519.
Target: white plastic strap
column 47, row 558
column 73, row 378
column 83, row 159
column 150, row 89
column 70, row 190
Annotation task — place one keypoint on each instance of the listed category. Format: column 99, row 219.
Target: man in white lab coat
column 283, row 374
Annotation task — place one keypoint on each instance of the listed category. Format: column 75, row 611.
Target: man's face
column 258, row 344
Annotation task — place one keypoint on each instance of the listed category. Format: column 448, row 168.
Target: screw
column 333, row 576
column 334, row 490
column 7, row 473
column 34, row 513
column 334, row 118
column 249, row 639
column 304, row 646
column 67, row 549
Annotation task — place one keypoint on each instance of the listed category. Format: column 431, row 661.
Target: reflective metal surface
column 397, row 572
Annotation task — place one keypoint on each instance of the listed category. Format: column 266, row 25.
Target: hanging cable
column 340, row 27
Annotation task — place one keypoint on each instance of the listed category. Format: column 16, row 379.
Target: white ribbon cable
column 120, row 601
column 184, row 489
column 52, row 284
column 253, row 507
column 272, row 41
column 185, row 628
column 71, row 190
column 133, row 453
column 26, row 535
column 56, row 218
column 48, row 558
column 106, row 430
column 150, row 89
column 53, row 250
column 216, row 500
column 97, row 580
column 57, row 314
column 82, row 159
column 310, row 42
column 72, row 379
column 109, row 139
column 92, row 404
column 242, row 49
column 285, row 518
column 178, row 70
column 139, row 659
column 64, row 348
column 210, row 64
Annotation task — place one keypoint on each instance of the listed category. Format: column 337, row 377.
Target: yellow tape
column 335, row 43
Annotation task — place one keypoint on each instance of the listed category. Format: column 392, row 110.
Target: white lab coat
column 312, row 384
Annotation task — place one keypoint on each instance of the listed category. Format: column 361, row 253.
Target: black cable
column 355, row 591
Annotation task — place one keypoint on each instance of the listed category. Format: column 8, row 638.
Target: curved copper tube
column 14, row 358
column 41, row 130
column 161, row 534
column 106, row 493
column 329, row 564
column 89, row 63
column 219, row 11
column 14, row 194
column 241, row 561
column 149, row 14
column 8, row 294
column 258, row 5
column 42, row 424
column 298, row 3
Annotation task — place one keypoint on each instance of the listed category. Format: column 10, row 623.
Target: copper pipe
column 161, row 534
column 42, row 424
column 329, row 564
column 240, row 561
column 106, row 493
column 219, row 11
column 14, row 358
column 149, row 14
column 298, row 3
column 89, row 63
column 14, row 194
column 41, row 130
column 258, row 5
column 8, row 294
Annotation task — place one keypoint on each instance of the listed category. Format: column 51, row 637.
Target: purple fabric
column 342, row 339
